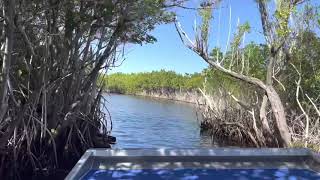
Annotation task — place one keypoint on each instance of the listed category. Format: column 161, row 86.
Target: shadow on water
column 190, row 174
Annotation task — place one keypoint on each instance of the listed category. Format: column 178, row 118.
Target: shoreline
column 163, row 98
column 184, row 97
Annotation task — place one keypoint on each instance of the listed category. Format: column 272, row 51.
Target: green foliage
column 216, row 53
column 242, row 30
column 306, row 59
column 250, row 60
column 148, row 81
column 317, row 16
column 206, row 15
column 48, row 79
column 282, row 14
column 256, row 55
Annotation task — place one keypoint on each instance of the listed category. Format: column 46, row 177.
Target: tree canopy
column 284, row 24
column 51, row 55
column 152, row 81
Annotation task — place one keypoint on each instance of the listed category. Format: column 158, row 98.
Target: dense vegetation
column 137, row 82
column 51, row 54
column 267, row 94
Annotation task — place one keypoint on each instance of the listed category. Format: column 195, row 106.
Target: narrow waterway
column 140, row 122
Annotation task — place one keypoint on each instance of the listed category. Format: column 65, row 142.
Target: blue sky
column 170, row 54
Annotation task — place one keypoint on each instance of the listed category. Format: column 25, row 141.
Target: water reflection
column 153, row 123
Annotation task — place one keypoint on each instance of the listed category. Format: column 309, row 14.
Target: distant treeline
column 151, row 81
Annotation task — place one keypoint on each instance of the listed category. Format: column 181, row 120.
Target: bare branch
column 314, row 105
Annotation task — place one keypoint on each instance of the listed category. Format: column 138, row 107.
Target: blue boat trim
column 213, row 158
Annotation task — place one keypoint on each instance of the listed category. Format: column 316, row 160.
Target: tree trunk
column 264, row 104
column 280, row 116
column 273, row 96
column 8, row 12
column 271, row 93
column 274, row 99
column 263, row 116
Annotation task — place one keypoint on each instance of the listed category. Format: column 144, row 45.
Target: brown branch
column 244, row 129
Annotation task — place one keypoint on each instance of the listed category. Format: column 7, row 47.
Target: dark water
column 140, row 122
column 204, row 174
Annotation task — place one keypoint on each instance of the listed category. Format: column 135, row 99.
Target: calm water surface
column 140, row 122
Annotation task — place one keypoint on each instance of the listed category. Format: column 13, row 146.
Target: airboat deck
column 214, row 160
